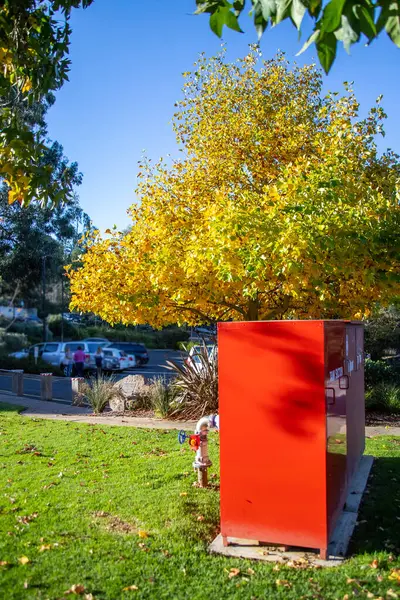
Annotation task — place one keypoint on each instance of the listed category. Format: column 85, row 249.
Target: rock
column 128, row 389
column 117, row 404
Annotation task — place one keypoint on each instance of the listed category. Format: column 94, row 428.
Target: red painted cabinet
column 292, row 427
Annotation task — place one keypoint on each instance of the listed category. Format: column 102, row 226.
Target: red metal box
column 292, row 421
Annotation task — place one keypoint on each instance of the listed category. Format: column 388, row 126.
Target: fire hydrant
column 199, row 443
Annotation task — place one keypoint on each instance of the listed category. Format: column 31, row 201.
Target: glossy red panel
column 273, row 431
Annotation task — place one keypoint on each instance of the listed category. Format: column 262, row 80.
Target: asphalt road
column 62, row 386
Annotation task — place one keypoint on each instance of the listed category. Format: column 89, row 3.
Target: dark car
column 138, row 350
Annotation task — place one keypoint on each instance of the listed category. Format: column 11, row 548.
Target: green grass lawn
column 113, row 507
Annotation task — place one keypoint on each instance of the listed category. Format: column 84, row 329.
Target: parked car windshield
column 130, row 347
column 94, row 345
column 73, row 346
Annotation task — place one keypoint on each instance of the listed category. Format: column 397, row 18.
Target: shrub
column 162, row 394
column 381, row 371
column 28, row 365
column 71, row 331
column 384, row 397
column 382, row 332
column 33, row 331
column 196, row 386
column 165, row 338
column 9, row 342
column 98, row 392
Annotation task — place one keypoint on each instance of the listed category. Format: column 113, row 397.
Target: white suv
column 54, row 352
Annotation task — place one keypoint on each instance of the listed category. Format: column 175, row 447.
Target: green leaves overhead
column 343, row 20
column 31, row 70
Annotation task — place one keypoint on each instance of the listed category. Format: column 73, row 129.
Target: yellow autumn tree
column 280, row 206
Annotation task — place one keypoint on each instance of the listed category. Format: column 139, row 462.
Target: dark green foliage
column 381, row 371
column 384, row 397
column 170, row 337
column 382, row 333
column 33, row 332
column 345, row 20
column 28, row 365
column 71, row 331
column 382, row 386
column 9, row 342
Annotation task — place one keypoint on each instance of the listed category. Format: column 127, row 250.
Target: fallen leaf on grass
column 283, row 582
column 4, row 563
column 200, row 518
column 183, row 494
column 374, row 564
column 143, row 547
column 45, row 547
column 130, row 588
column 250, row 571
column 391, row 594
column 28, row 518
column 233, row 573
column 24, row 560
column 49, row 485
column 101, row 513
column 77, row 588
column 143, row 534
column 394, row 575
column 89, row 597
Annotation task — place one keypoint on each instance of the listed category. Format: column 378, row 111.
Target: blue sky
column 127, row 60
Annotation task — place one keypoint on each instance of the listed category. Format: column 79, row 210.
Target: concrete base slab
column 337, row 548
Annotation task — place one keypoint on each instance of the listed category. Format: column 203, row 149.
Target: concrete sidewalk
column 65, row 412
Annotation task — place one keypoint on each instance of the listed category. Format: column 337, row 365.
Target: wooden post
column 46, row 386
column 18, row 382
column 76, row 388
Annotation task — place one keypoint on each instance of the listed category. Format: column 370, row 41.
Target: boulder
column 128, row 390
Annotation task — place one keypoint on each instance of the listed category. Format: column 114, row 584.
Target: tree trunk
column 252, row 312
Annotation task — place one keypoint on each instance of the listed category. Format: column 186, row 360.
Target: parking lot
column 62, row 386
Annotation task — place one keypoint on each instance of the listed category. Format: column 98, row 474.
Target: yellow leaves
column 143, row 534
column 24, row 560
column 130, row 588
column 27, row 86
column 270, row 208
column 44, row 547
column 394, row 575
